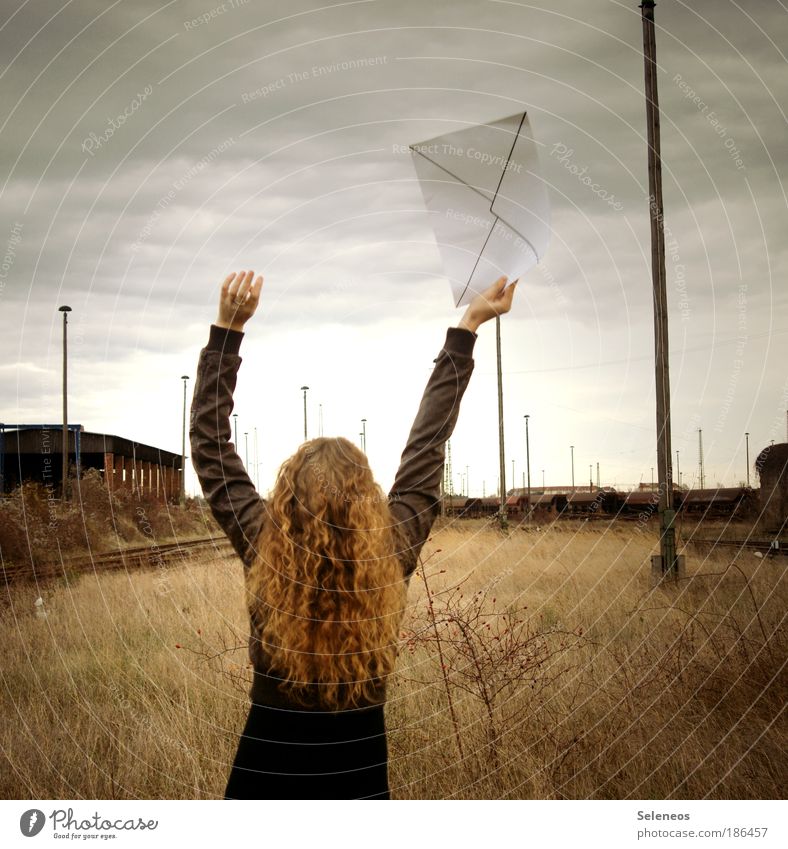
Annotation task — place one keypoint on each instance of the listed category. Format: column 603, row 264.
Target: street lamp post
column 304, row 390
column 678, row 469
column 65, row 310
column 256, row 462
column 501, row 461
column 590, row 477
column 184, row 378
column 528, row 464
column 747, row 443
column 364, row 435
column 572, row 449
column 235, row 422
column 246, row 451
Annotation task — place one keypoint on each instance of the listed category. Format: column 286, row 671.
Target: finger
column 500, row 284
column 227, row 282
column 492, row 292
column 233, row 287
column 243, row 289
column 256, row 289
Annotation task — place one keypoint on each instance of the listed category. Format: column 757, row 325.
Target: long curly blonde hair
column 326, row 590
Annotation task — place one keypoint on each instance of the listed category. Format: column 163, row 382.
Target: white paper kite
column 487, row 203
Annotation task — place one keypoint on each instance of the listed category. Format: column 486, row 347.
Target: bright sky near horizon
column 149, row 149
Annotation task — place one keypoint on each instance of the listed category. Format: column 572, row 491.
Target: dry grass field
column 535, row 665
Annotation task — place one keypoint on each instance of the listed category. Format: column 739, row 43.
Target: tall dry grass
column 37, row 527
column 534, row 665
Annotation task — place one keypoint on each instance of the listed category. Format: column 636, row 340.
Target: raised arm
column 414, row 499
column 230, row 493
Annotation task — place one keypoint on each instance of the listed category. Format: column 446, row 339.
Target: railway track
column 766, row 547
column 153, row 555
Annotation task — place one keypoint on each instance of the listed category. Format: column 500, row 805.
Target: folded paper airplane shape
column 488, row 206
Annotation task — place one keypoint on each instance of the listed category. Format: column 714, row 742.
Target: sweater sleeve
column 414, row 499
column 229, row 491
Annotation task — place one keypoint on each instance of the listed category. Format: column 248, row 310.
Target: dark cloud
column 146, row 150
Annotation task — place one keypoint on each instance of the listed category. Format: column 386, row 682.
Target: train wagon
column 726, row 502
column 455, row 505
column 595, row 504
column 516, row 506
column 549, row 504
column 637, row 503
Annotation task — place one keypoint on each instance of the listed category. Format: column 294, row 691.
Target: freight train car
column 728, row 502
column 732, row 502
column 596, row 504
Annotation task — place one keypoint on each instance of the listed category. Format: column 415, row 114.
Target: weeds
column 537, row 665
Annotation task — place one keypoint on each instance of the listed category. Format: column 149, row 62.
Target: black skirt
column 301, row 754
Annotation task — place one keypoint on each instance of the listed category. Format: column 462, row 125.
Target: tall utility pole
column 364, row 435
column 449, row 487
column 678, row 469
column 747, row 444
column 666, row 563
column 235, row 423
column 597, row 475
column 246, row 451
column 572, row 449
column 700, row 459
column 65, row 310
column 590, row 477
column 304, row 390
column 256, row 462
column 528, row 464
column 501, row 461
column 184, row 378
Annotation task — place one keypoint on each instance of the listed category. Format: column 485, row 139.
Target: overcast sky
column 149, row 149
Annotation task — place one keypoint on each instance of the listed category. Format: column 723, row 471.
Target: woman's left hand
column 238, row 300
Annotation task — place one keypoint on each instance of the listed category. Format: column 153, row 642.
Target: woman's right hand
column 238, row 300
column 493, row 302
